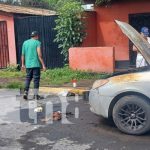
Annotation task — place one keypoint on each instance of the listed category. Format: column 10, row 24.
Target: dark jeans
column 35, row 74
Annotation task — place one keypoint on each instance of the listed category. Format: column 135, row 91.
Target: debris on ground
column 86, row 95
column 55, row 116
column 66, row 93
column 38, row 109
column 46, row 119
column 69, row 114
column 63, row 93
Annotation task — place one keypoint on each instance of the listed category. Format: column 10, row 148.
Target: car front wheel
column 131, row 114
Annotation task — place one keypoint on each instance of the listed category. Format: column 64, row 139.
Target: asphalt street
column 80, row 129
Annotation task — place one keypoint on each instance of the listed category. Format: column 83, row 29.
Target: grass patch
column 59, row 76
column 14, row 85
column 65, row 75
column 11, row 74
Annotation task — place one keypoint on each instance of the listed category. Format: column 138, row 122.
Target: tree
column 70, row 26
column 56, row 4
column 30, row 3
column 102, row 2
column 7, row 1
column 48, row 4
column 35, row 3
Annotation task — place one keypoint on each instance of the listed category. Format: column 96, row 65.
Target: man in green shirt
column 32, row 61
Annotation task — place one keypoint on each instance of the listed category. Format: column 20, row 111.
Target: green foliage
column 11, row 74
column 70, row 26
column 65, row 75
column 9, row 1
column 35, row 3
column 28, row 3
column 56, row 4
column 102, row 2
column 13, row 68
column 14, row 85
column 58, row 76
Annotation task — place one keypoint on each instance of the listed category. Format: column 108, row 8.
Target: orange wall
column 95, row 59
column 108, row 33
column 11, row 36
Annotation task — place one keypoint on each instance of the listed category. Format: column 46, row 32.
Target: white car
column 126, row 98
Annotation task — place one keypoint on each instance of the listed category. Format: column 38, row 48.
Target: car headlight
column 99, row 83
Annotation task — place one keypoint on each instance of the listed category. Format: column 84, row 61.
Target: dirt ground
column 82, row 83
column 6, row 81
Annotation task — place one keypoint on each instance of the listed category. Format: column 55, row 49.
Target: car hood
column 142, row 45
column 132, row 77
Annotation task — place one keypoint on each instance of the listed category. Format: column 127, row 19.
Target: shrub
column 102, row 2
column 13, row 68
column 70, row 27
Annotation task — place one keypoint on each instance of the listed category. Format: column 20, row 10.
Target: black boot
column 38, row 97
column 25, row 95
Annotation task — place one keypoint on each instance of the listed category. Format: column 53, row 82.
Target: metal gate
column 45, row 26
column 4, row 51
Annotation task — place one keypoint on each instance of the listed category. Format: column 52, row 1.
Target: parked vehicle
column 126, row 97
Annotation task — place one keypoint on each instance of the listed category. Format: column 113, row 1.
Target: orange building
column 103, row 32
column 8, row 37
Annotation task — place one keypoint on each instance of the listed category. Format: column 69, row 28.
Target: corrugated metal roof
column 25, row 10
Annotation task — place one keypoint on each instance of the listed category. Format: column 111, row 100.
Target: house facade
column 102, row 31
column 7, row 42
column 16, row 24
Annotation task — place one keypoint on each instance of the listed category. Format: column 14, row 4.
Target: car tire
column 131, row 114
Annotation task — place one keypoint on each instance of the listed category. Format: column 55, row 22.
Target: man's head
column 145, row 31
column 35, row 35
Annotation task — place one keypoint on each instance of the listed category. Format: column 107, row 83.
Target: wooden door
column 4, row 51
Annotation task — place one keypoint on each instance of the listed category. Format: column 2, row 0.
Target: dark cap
column 145, row 31
column 34, row 33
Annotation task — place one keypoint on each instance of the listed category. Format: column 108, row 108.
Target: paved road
column 88, row 132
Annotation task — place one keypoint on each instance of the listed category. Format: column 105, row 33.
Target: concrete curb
column 55, row 90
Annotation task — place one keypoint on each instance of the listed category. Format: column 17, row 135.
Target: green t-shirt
column 29, row 51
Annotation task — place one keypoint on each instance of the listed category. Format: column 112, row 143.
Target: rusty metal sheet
column 142, row 45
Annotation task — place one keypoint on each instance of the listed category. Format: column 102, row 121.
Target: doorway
column 4, row 51
column 137, row 21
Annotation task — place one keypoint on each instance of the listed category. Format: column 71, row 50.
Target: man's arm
column 134, row 48
column 22, row 61
column 23, row 58
column 40, row 58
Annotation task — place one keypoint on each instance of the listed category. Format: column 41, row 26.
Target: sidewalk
column 57, row 90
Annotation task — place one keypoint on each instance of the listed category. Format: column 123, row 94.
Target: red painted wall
column 91, row 29
column 11, row 36
column 93, row 59
column 108, row 33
